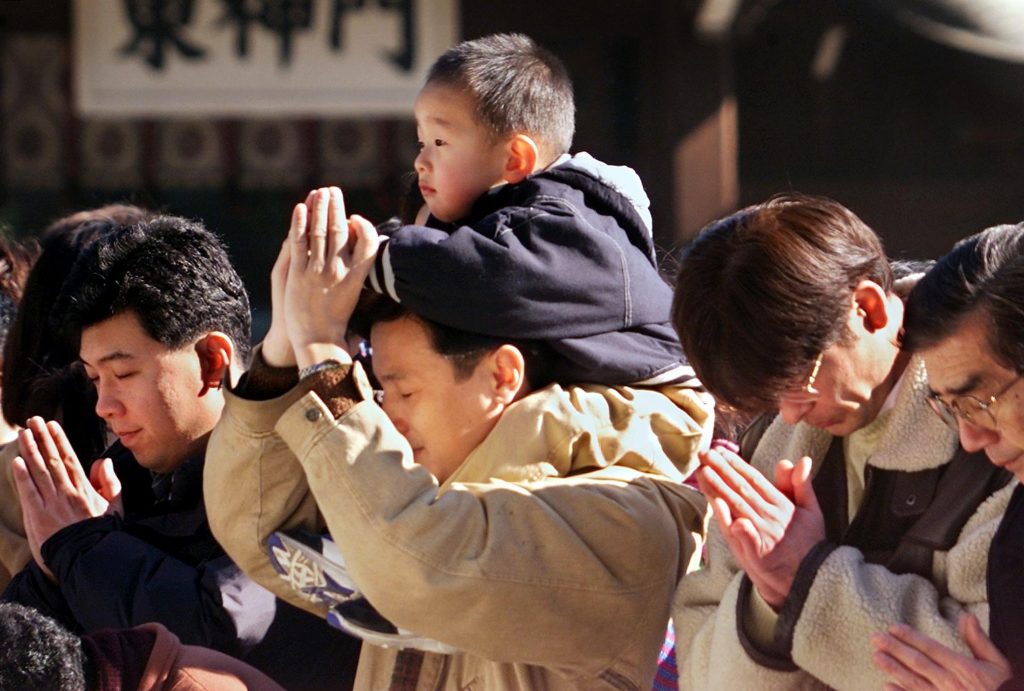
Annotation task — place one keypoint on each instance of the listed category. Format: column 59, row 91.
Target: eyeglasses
column 967, row 407
column 807, row 392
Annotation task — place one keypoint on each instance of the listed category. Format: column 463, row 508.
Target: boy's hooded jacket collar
column 563, row 257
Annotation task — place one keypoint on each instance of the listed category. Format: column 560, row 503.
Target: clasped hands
column 53, row 488
column 316, row 281
column 914, row 662
column 769, row 528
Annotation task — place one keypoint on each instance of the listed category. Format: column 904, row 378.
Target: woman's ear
column 523, row 155
column 216, row 352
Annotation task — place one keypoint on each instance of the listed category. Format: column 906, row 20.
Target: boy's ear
column 523, row 155
column 216, row 352
column 508, row 369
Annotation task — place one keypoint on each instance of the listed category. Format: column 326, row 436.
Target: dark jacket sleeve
column 112, row 579
column 539, row 272
column 30, row 587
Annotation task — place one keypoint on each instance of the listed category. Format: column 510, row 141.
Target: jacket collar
column 914, row 438
column 560, row 432
column 183, row 485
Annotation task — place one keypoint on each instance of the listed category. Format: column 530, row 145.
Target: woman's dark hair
column 41, row 374
column 16, row 261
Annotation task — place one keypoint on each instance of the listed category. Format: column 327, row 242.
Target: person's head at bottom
column 37, row 653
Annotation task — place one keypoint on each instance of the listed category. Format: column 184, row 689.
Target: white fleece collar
column 914, row 437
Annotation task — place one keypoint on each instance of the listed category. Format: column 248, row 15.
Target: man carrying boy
column 791, row 305
column 545, row 580
column 161, row 318
column 547, row 536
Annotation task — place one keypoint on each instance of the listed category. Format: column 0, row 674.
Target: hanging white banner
column 250, row 58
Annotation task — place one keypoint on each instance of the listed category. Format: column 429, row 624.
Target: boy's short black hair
column 518, row 87
column 171, row 272
column 37, row 653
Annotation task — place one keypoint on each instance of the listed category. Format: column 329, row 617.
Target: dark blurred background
column 907, row 111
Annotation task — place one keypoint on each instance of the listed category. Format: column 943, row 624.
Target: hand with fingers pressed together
column 914, row 661
column 317, row 279
column 276, row 348
column 53, row 488
column 769, row 528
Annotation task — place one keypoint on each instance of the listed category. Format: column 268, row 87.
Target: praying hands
column 53, row 488
column 316, row 281
column 769, row 528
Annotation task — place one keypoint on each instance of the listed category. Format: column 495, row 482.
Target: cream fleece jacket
column 849, row 599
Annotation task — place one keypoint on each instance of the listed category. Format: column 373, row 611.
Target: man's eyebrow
column 390, row 377
column 970, row 384
column 110, row 357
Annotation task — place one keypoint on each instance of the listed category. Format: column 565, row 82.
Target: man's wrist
column 313, row 353
column 322, row 366
column 277, row 351
column 756, row 625
column 770, row 597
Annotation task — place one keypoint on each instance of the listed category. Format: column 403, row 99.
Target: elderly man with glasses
column 966, row 320
column 854, row 509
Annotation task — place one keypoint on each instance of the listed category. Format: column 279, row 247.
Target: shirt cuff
column 338, row 387
column 760, row 620
column 263, row 382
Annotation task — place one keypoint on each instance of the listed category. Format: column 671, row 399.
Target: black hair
column 982, row 274
column 518, row 87
column 41, row 374
column 15, row 262
column 171, row 272
column 463, row 349
column 37, row 653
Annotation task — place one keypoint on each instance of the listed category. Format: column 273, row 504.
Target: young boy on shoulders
column 524, row 240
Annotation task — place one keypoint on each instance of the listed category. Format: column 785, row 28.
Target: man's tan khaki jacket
column 550, row 556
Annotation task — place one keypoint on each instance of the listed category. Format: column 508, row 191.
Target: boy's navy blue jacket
column 565, row 257
column 161, row 563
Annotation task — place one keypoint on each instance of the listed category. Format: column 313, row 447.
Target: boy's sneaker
column 312, row 565
column 359, row 618
column 315, row 569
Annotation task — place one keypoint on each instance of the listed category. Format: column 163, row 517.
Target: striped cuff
column 382, row 278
